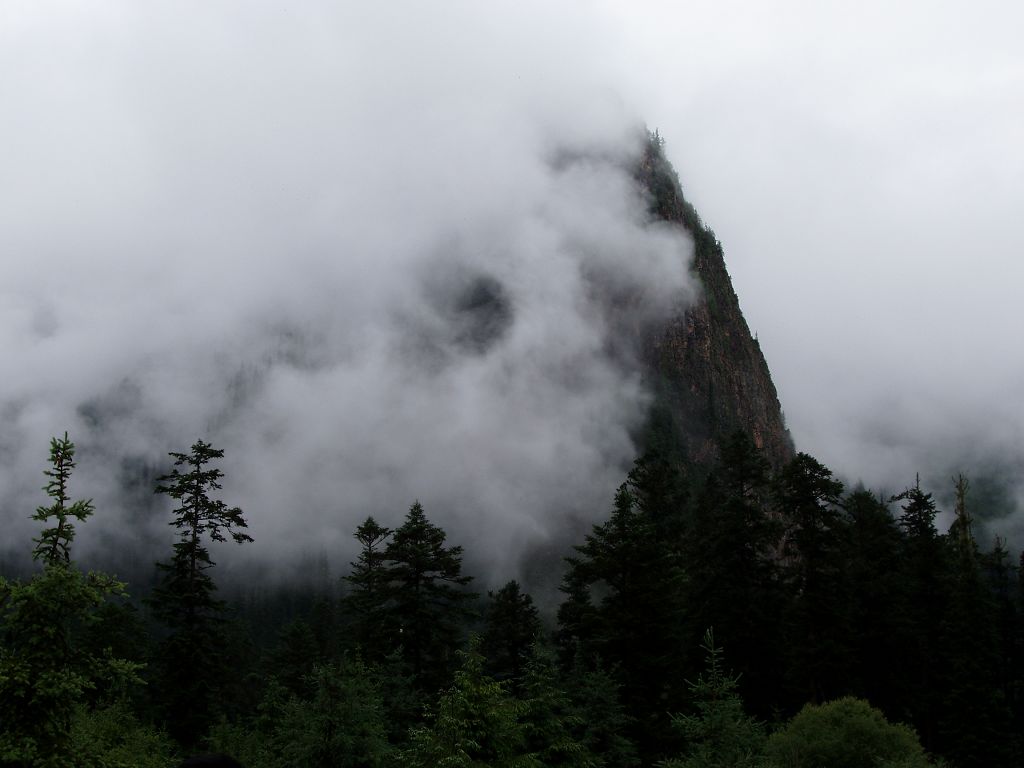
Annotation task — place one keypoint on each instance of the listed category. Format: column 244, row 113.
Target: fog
column 275, row 227
column 369, row 254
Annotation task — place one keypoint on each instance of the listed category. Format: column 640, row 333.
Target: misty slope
column 709, row 375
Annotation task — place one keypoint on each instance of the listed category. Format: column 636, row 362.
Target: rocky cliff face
column 708, row 373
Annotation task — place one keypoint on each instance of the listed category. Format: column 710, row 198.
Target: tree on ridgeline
column 184, row 600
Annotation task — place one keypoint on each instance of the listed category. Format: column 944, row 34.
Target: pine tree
column 426, row 596
column 184, row 599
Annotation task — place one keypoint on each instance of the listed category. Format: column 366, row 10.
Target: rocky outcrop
column 706, row 369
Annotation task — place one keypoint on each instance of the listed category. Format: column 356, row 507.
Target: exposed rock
column 707, row 370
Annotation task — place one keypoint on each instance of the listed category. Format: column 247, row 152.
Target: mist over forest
column 393, row 359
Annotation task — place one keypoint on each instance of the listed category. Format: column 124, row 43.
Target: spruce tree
column 426, row 597
column 365, row 602
column 47, row 668
column 512, row 627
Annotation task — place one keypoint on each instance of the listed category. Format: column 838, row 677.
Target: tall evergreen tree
column 973, row 716
column 719, row 734
column 807, row 500
column 184, row 599
column 512, row 628
column 872, row 557
column 730, row 555
column 365, row 602
column 426, row 596
column 47, row 669
column 923, row 572
column 54, row 544
column 476, row 725
column 624, row 605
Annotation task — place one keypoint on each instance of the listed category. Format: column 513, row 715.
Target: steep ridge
column 708, row 373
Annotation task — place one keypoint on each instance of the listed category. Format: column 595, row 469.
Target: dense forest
column 737, row 615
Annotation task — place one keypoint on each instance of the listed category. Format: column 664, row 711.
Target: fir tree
column 368, row 594
column 512, row 627
column 47, row 670
column 426, row 596
column 54, row 544
column 719, row 734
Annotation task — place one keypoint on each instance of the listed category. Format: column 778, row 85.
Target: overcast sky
column 264, row 222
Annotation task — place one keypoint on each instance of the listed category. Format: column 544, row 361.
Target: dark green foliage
column 878, row 600
column 368, row 581
column 512, row 628
column 924, row 575
column 340, row 723
column 184, row 600
column 548, row 715
column 47, row 672
column 624, row 604
column 719, row 734
column 476, row 724
column 847, row 733
column 972, row 714
column 112, row 737
column 806, row 498
column 54, row 545
column 425, row 597
column 731, row 560
column 598, row 720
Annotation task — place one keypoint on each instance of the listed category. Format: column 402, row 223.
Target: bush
column 846, row 733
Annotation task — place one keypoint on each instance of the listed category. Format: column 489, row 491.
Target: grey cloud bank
column 346, row 246
column 243, row 222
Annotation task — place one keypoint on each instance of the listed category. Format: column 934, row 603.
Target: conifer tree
column 625, row 591
column 365, row 603
column 476, row 724
column 426, row 596
column 54, row 544
column 924, row 575
column 46, row 669
column 184, row 600
column 730, row 555
column 719, row 734
column 512, row 627
column 872, row 558
column 807, row 501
